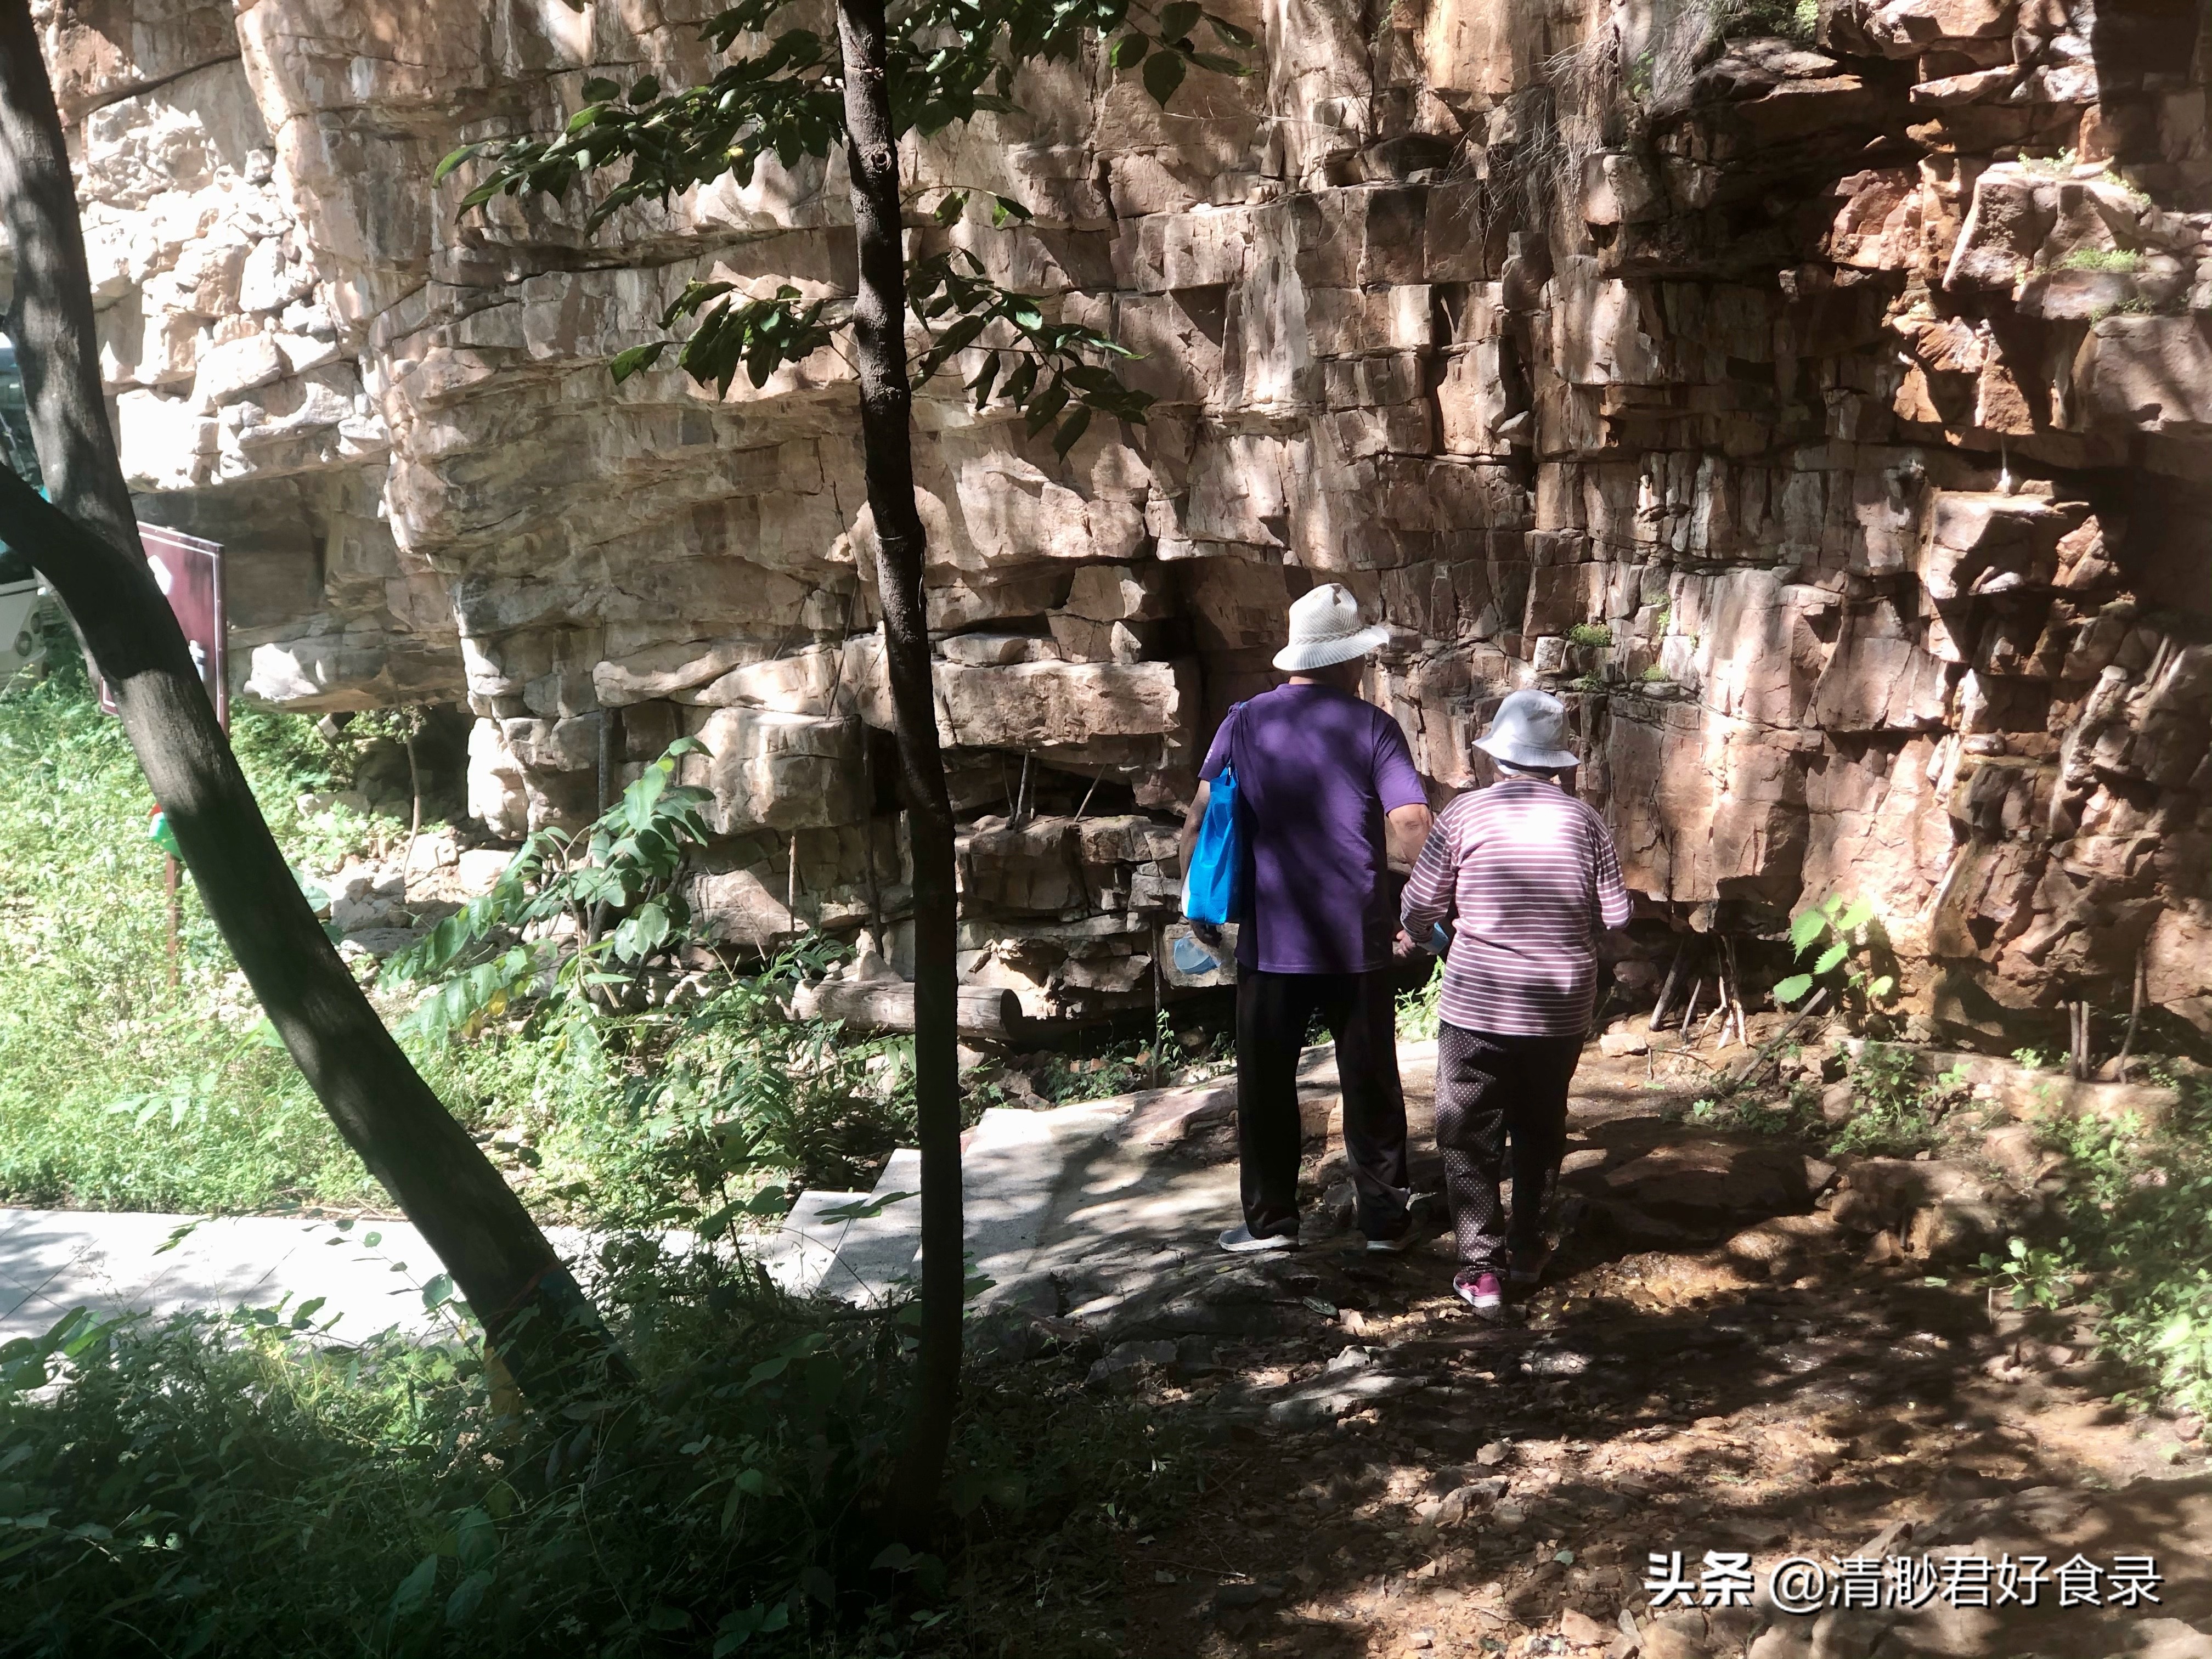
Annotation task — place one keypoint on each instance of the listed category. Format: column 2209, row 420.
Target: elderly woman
column 1531, row 877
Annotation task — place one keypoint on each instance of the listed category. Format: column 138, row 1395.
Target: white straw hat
column 1529, row 730
column 1325, row 630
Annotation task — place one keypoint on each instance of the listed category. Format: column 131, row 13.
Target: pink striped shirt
column 1531, row 877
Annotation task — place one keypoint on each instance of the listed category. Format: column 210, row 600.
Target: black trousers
column 1273, row 1011
column 1491, row 1088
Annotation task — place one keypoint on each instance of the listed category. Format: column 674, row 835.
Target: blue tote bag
column 1213, row 887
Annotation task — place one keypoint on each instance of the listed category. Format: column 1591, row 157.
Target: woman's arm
column 1429, row 891
column 1608, row 889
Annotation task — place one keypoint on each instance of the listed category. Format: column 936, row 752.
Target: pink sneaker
column 1479, row 1288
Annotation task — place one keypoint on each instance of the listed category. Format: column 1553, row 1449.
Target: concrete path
column 1075, row 1204
column 1069, row 1202
column 369, row 1275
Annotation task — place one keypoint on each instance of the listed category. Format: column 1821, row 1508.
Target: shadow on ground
column 1385, row 1475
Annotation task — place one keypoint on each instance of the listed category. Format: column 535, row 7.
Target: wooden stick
column 1697, row 985
column 1759, row 1060
column 2135, row 1017
column 1733, row 987
column 1666, row 989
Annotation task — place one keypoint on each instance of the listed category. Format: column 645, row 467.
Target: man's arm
column 1206, row 932
column 1404, row 832
column 1191, row 820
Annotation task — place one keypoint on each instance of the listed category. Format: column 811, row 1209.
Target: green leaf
column 1880, row 987
column 1789, row 990
column 1229, row 32
column 1832, row 956
column 629, row 362
column 454, row 159
column 1178, row 18
column 1046, row 406
column 468, row 1596
column 598, row 89
column 475, row 1538
column 1806, row 926
column 950, row 209
column 1071, row 429
column 1163, row 72
column 986, row 377
column 1005, row 210
column 1128, row 52
column 1218, row 63
column 438, row 1292
column 415, row 1589
column 645, row 90
column 1860, row 913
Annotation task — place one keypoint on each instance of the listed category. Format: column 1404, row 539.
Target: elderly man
column 1532, row 876
column 1329, row 801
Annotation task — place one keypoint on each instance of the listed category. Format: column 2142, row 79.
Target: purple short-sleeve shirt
column 1317, row 770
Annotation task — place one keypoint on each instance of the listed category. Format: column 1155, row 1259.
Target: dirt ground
column 1387, row 1475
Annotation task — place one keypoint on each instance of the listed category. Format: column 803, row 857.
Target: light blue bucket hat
column 1529, row 730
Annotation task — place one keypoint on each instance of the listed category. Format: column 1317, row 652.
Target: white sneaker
column 1238, row 1241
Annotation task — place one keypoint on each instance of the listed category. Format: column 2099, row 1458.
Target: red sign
column 188, row 571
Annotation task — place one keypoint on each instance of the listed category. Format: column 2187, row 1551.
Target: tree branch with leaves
column 888, row 73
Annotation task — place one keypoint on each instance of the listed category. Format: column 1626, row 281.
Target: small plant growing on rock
column 2033, row 1277
column 1652, row 674
column 1590, row 634
column 1837, row 934
column 2120, row 260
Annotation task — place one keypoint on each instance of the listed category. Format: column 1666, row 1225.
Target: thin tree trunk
column 414, row 816
column 545, row 1330
column 887, row 449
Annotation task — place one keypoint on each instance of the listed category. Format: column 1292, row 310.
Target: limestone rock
column 1799, row 368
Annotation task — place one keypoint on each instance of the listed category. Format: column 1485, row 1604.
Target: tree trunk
column 544, row 1329
column 887, row 448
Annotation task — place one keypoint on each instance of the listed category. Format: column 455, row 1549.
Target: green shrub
column 231, row 1488
column 2137, row 1220
column 617, row 886
column 1590, row 634
column 1841, row 940
column 1893, row 1113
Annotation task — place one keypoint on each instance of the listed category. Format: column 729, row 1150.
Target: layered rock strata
column 1821, row 399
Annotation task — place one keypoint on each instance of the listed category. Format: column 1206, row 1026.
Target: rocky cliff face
column 1821, row 401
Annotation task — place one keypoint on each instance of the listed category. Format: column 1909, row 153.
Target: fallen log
column 987, row 1012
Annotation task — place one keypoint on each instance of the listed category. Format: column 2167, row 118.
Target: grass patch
column 118, row 1089
column 228, row 1487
